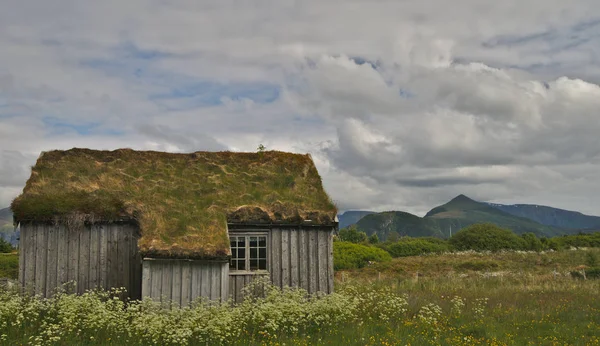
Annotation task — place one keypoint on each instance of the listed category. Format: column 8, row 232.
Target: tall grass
column 433, row 300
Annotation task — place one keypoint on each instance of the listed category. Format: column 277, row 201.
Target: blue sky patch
column 131, row 50
column 176, row 91
column 207, row 93
column 58, row 126
column 361, row 61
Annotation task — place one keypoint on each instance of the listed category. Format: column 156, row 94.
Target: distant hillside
column 6, row 217
column 443, row 220
column 405, row 224
column 351, row 217
column 463, row 211
column 551, row 216
column 7, row 230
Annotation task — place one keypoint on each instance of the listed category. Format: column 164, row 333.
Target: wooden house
column 173, row 226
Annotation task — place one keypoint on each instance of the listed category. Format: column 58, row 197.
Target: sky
column 402, row 104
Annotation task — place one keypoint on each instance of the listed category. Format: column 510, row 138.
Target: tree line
column 355, row 249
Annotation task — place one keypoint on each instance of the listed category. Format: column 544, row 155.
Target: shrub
column 590, row 273
column 353, row 235
column 532, row 242
column 578, row 240
column 593, row 273
column 591, row 259
column 9, row 266
column 551, row 243
column 408, row 246
column 5, row 246
column 486, row 237
column 373, row 239
column 347, row 255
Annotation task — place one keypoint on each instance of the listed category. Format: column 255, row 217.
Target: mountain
column 7, row 230
column 551, row 216
column 405, row 224
column 351, row 217
column 6, row 217
column 443, row 220
column 463, row 211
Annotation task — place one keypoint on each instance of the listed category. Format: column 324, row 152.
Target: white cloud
column 402, row 104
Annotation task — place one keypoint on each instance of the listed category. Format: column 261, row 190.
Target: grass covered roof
column 181, row 202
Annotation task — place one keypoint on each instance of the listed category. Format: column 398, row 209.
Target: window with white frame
column 248, row 252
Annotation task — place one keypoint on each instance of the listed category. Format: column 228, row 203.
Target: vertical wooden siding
column 183, row 281
column 298, row 257
column 52, row 256
column 302, row 257
column 238, row 281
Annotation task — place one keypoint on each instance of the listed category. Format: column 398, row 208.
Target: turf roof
column 182, row 202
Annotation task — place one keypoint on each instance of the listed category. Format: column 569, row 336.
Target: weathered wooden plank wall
column 298, row 257
column 53, row 255
column 237, row 281
column 183, row 281
column 308, row 261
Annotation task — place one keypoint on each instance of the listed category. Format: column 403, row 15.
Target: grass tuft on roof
column 182, row 202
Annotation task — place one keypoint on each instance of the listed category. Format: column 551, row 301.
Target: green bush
column 486, row 237
column 348, row 255
column 352, row 234
column 593, row 273
column 9, row 266
column 373, row 239
column 577, row 240
column 5, row 246
column 590, row 273
column 532, row 242
column 408, row 246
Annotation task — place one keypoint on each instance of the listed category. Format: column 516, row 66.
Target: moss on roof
column 182, row 202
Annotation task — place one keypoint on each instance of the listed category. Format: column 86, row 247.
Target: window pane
column 257, row 258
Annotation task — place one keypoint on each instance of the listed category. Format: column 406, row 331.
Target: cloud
column 402, row 104
column 179, row 140
column 13, row 169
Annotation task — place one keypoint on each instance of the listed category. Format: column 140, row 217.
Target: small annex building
column 174, row 226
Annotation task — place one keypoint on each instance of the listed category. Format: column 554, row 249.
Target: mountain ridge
column 442, row 220
column 5, row 216
column 551, row 216
column 350, row 217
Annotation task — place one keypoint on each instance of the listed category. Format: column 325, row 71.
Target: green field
column 507, row 298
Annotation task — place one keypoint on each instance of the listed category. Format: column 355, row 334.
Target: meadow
column 464, row 298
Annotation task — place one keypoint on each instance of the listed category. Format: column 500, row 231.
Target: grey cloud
column 449, row 181
column 14, row 168
column 482, row 108
column 184, row 140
